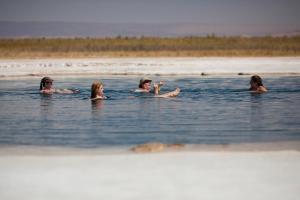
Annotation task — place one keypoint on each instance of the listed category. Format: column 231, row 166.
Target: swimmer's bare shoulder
column 98, row 98
column 66, row 91
column 262, row 89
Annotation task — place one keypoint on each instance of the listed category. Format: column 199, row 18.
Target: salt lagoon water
column 209, row 110
column 51, row 145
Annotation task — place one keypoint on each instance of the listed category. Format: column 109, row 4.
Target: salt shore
column 216, row 172
column 150, row 66
column 253, row 171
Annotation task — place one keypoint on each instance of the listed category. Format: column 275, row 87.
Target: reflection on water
column 46, row 115
column 257, row 113
column 208, row 110
column 97, row 106
column 46, row 106
column 96, row 110
column 256, row 110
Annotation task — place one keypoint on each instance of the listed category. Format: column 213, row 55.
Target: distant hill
column 85, row 29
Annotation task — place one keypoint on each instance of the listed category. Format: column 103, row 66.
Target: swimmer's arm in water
column 45, row 91
column 66, row 91
column 169, row 94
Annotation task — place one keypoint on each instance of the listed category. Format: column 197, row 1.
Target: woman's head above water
column 46, row 83
column 256, row 84
column 46, row 87
column 97, row 89
column 256, row 80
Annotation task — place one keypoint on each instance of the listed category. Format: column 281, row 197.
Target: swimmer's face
column 147, row 86
column 253, row 84
column 101, row 88
column 48, row 84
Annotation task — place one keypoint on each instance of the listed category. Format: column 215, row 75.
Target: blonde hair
column 95, row 88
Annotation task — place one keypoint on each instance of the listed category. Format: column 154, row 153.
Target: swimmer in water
column 97, row 91
column 46, row 87
column 145, row 87
column 256, row 84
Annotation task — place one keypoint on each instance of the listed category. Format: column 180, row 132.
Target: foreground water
column 209, row 110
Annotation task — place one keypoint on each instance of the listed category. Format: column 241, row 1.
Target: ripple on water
column 207, row 111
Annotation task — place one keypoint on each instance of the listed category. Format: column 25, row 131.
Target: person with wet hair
column 256, row 84
column 145, row 87
column 46, row 87
column 97, row 91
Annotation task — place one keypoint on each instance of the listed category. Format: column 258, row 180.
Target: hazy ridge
column 93, row 29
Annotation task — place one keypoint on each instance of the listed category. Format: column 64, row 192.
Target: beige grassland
column 149, row 47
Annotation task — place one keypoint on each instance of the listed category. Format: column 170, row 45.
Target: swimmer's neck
column 47, row 90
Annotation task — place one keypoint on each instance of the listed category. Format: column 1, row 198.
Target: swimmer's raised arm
column 157, row 87
column 145, row 86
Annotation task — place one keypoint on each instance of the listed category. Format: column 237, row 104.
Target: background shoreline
column 150, row 66
column 29, row 150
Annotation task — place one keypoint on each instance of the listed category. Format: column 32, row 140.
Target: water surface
column 209, row 110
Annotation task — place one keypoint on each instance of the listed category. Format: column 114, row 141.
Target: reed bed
column 149, row 47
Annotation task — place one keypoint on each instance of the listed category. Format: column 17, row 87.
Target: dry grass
column 149, row 47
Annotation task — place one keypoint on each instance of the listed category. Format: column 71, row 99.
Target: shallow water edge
column 19, row 150
column 150, row 66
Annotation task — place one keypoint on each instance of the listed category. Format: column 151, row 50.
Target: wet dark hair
column 43, row 82
column 142, row 83
column 256, row 79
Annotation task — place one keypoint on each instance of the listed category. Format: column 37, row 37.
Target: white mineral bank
column 151, row 66
column 180, row 175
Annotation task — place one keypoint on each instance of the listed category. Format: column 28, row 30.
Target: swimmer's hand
column 161, row 83
column 76, row 91
column 157, row 87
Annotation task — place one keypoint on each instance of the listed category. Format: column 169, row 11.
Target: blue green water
column 209, row 110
